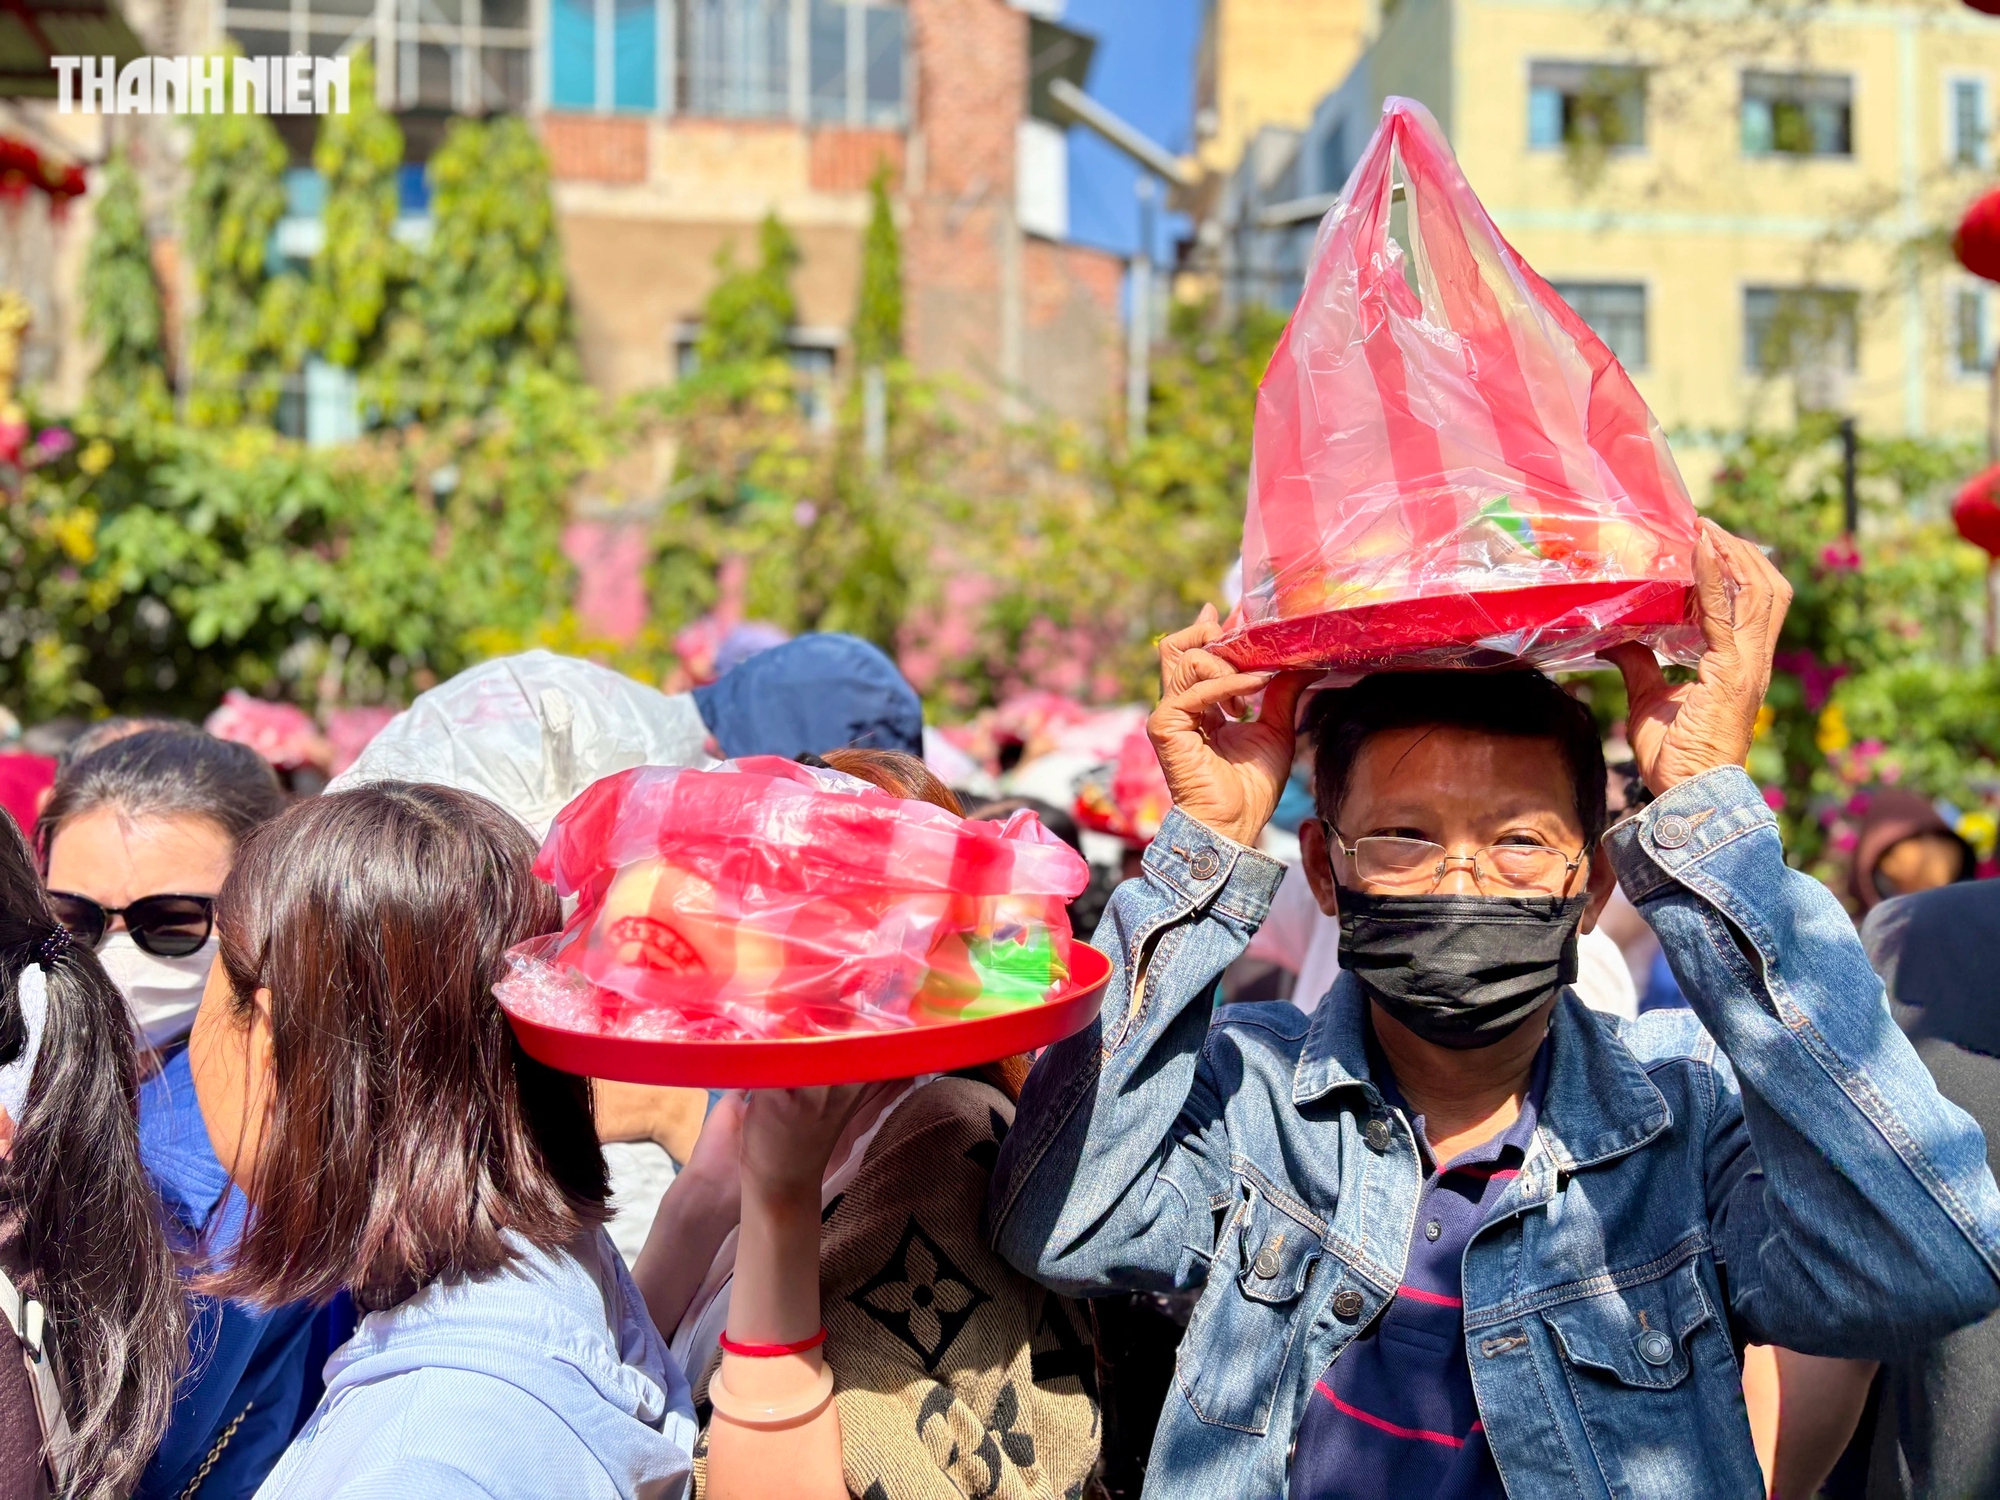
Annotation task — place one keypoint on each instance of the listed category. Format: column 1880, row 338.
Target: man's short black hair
column 1519, row 703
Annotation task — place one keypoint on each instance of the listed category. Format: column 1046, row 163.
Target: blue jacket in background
column 1774, row 1165
column 257, row 1365
column 545, row 1378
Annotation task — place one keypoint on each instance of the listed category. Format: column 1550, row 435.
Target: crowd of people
column 1390, row 1167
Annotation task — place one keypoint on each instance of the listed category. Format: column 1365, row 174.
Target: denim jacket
column 1775, row 1166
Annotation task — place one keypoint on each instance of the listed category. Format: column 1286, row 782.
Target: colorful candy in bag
column 1448, row 467
column 764, row 899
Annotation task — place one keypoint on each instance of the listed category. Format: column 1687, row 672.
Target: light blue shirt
column 546, row 1378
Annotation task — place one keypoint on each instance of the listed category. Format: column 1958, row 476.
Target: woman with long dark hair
column 362, row 1087
column 91, row 1314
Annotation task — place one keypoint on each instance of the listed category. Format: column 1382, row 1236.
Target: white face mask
column 161, row 993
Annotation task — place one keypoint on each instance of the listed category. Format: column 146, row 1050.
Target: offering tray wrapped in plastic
column 1448, row 467
column 766, row 924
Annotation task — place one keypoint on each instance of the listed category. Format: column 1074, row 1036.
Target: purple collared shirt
column 1394, row 1417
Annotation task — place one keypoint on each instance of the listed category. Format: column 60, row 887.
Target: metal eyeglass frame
column 1570, row 866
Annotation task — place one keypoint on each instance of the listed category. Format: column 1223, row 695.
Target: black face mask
column 1461, row 971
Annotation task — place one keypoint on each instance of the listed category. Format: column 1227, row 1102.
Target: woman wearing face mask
column 90, row 1313
column 136, row 842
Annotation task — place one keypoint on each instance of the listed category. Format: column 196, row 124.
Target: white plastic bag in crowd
column 530, row 732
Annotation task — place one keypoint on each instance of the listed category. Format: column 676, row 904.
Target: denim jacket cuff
column 1202, row 867
column 1651, row 848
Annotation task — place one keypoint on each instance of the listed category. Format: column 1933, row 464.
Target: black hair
column 165, row 773
column 109, row 731
column 1518, row 703
column 1058, row 822
column 96, row 1251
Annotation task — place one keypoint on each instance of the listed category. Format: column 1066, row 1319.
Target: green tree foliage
column 121, row 302
column 993, row 560
column 235, row 197
column 159, row 564
column 878, row 316
column 489, row 302
column 1099, row 551
column 361, row 268
column 1874, row 679
column 751, row 311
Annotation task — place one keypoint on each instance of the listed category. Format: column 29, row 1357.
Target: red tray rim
column 805, row 1062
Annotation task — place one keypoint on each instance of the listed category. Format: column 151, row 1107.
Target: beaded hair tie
column 52, row 945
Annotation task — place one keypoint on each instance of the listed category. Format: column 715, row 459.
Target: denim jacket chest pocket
column 1233, row 1359
column 1636, row 1337
column 1646, row 1365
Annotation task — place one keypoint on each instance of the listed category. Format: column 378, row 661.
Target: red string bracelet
column 772, row 1351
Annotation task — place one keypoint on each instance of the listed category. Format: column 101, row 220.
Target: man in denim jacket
column 1599, row 1212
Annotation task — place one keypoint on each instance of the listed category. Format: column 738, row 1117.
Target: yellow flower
column 95, row 458
column 1766, row 717
column 1832, row 737
column 76, row 533
column 1981, row 829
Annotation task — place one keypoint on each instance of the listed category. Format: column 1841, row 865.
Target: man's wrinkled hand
column 1677, row 733
column 1224, row 770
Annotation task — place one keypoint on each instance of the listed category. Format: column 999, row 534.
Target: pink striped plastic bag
column 760, row 899
column 1455, row 474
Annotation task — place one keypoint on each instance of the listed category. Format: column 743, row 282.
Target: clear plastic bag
column 761, row 899
column 1449, row 468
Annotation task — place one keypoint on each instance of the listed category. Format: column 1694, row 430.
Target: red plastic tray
column 1375, row 635
column 803, row 1062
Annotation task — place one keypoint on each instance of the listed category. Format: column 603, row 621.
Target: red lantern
column 1976, row 511
column 1977, row 243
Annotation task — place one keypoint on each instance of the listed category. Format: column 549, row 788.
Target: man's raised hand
column 1226, row 772
column 1676, row 733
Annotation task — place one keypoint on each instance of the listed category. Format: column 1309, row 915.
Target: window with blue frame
column 1798, row 114
column 1587, row 104
column 630, row 61
column 734, row 58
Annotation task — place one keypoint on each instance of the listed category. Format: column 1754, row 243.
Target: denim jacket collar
column 1600, row 1102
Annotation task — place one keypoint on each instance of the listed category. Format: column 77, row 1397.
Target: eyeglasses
column 165, row 926
column 1406, row 867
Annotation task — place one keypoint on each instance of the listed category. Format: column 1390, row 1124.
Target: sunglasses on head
column 165, row 926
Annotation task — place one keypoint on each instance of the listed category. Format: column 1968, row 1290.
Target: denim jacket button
column 1655, row 1348
column 1204, row 863
column 1266, row 1263
column 1672, row 831
column 1376, row 1134
column 1347, row 1305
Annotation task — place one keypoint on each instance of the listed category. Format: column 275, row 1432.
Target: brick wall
column 1073, row 345
column 595, row 148
column 971, row 65
column 844, row 160
column 970, row 56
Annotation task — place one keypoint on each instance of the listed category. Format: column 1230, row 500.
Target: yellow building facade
column 1269, row 62
column 1753, row 205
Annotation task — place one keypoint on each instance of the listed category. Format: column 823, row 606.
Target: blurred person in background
column 364, row 1090
column 811, row 695
column 1930, row 1427
column 822, row 1260
column 1904, row 846
column 91, row 1313
column 136, row 842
